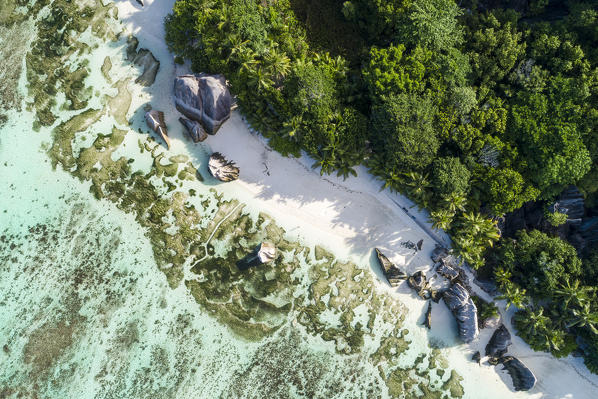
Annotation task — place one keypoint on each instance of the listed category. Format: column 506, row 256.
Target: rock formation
column 523, row 378
column 155, row 121
column 499, row 343
column 266, row 252
column 419, row 283
column 145, row 59
column 194, row 129
column 222, row 169
column 461, row 305
column 428, row 319
column 570, row 202
column 263, row 253
column 392, row 273
column 439, row 253
column 203, row 98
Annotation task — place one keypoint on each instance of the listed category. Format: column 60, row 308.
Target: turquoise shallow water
column 117, row 276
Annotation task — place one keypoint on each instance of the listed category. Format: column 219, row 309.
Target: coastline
column 350, row 217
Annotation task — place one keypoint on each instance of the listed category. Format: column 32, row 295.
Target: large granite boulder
column 523, row 378
column 203, row 98
column 155, row 121
column 222, row 169
column 589, row 230
column 194, row 129
column 428, row 318
column 499, row 343
column 439, row 253
column 263, row 253
column 461, row 305
column 145, row 59
column 570, row 202
column 393, row 274
column 419, row 283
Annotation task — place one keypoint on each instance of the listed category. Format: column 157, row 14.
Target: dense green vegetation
column 472, row 111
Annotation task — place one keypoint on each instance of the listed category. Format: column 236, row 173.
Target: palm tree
column 416, row 186
column 485, row 230
column 279, row 65
column 573, row 293
column 442, row 219
column 455, row 202
column 502, row 276
column 393, row 180
column 259, row 79
column 584, row 317
column 515, row 295
column 531, row 322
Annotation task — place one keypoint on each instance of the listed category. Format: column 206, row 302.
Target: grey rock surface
column 461, row 305
column 155, row 121
column 222, row 169
column 523, row 378
column 145, row 59
column 194, row 129
column 393, row 274
column 203, row 98
column 499, row 342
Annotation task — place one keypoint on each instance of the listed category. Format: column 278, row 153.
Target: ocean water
column 117, row 257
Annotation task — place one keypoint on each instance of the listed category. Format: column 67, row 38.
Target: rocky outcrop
column 523, row 378
column 499, row 343
column 570, row 202
column 419, row 283
column 203, row 98
column 461, row 305
column 392, row 273
column 145, row 59
column 222, row 169
column 194, row 129
column 263, row 253
column 439, row 253
column 428, row 318
column 266, row 252
column 155, row 121
column 589, row 231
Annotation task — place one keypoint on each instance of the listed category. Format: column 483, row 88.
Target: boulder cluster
column 496, row 349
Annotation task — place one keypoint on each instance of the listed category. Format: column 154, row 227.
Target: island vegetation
column 476, row 111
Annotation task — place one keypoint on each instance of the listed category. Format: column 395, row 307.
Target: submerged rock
column 266, row 252
column 461, row 305
column 194, row 129
column 476, row 357
column 222, row 169
column 203, row 98
column 428, row 319
column 155, row 121
column 392, row 273
column 419, row 283
column 419, row 244
column 145, row 59
column 523, row 378
column 263, row 253
column 499, row 343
